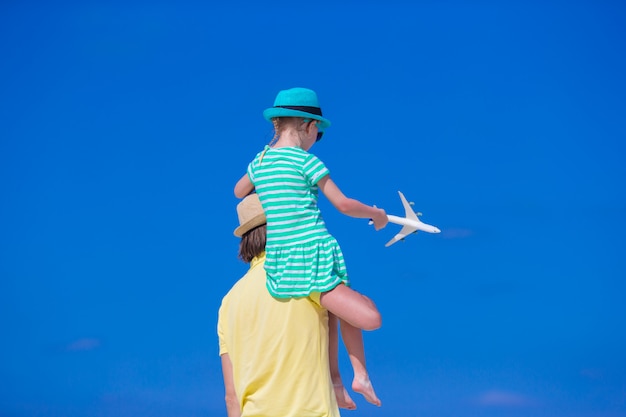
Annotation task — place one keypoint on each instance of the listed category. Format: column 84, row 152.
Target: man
column 274, row 352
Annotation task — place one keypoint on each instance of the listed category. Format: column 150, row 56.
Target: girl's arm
column 350, row 206
column 243, row 187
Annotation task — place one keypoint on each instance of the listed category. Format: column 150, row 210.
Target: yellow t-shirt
column 278, row 348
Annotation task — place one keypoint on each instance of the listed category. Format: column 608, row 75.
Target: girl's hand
column 380, row 219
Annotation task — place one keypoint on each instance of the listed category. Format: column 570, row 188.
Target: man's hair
column 252, row 243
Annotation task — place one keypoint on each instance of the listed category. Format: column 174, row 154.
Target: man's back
column 278, row 350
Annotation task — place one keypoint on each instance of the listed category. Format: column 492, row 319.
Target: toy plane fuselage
column 411, row 223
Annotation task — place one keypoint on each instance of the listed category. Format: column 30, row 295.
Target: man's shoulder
column 255, row 274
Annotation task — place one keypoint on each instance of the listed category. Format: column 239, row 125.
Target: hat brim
column 273, row 112
column 256, row 221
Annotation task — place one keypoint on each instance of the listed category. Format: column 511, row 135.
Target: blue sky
column 124, row 126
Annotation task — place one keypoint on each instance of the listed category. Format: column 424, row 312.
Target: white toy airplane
column 410, row 222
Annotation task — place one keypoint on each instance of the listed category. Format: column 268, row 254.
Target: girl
column 302, row 258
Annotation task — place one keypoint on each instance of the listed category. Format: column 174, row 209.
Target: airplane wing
column 408, row 210
column 404, row 232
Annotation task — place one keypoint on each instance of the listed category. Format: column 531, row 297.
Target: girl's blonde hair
column 281, row 123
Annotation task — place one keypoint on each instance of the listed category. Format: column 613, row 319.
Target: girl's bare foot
column 364, row 386
column 343, row 398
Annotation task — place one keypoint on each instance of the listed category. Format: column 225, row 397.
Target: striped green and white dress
column 301, row 256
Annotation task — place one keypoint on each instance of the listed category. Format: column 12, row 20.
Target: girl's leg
column 353, row 340
column 351, row 306
column 356, row 312
column 342, row 396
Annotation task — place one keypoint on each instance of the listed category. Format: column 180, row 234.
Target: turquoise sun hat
column 296, row 102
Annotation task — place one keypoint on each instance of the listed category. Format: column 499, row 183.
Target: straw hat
column 297, row 102
column 250, row 214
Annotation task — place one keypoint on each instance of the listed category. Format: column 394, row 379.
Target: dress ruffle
column 298, row 270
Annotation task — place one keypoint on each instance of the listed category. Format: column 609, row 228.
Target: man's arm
column 232, row 403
